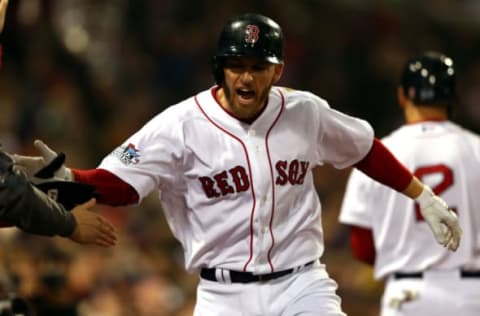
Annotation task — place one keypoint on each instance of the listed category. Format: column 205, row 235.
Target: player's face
column 247, row 84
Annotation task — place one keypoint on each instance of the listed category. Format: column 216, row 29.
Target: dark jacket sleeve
column 28, row 208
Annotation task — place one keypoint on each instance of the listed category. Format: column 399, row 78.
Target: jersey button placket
column 260, row 172
column 262, row 240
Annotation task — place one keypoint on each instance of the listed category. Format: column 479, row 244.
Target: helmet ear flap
column 217, row 69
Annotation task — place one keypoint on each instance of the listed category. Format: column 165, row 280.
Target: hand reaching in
column 91, row 228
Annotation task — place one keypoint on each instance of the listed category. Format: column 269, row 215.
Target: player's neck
column 415, row 114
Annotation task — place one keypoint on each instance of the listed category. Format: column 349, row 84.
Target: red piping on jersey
column 273, row 180
column 250, row 172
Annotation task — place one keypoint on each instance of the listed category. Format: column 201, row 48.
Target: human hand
column 47, row 167
column 91, row 228
column 3, row 11
column 442, row 221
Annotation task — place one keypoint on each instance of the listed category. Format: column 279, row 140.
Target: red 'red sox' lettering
column 207, row 185
column 294, row 172
column 237, row 174
column 240, row 178
column 236, row 180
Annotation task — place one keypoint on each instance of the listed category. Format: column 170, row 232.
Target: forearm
column 381, row 165
column 111, row 189
column 31, row 210
column 46, row 216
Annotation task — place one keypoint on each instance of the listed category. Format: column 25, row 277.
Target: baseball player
column 388, row 230
column 232, row 166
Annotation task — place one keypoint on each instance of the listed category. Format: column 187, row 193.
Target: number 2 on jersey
column 446, row 181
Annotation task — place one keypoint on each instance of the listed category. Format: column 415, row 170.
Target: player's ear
column 278, row 72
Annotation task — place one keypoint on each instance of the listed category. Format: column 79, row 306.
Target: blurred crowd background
column 84, row 74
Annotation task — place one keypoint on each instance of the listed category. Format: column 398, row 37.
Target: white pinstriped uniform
column 446, row 157
column 241, row 196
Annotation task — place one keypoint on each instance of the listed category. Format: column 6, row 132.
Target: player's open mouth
column 246, row 95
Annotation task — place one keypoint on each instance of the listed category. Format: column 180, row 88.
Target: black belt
column 419, row 275
column 247, row 277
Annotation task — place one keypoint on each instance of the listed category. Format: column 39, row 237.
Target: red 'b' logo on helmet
column 252, row 34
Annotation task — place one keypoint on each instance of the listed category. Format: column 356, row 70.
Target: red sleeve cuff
column 111, row 189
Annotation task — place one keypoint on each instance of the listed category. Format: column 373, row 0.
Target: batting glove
column 442, row 221
column 50, row 166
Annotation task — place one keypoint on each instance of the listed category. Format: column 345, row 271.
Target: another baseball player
column 232, row 166
column 389, row 231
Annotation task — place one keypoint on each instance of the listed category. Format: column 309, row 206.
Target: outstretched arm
column 31, row 210
column 110, row 189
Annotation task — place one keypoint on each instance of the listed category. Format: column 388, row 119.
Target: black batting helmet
column 252, row 35
column 430, row 79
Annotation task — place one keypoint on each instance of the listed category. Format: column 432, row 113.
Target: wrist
column 69, row 227
column 425, row 197
column 65, row 174
column 68, row 175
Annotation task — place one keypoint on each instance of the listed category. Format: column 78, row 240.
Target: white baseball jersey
column 442, row 155
column 241, row 196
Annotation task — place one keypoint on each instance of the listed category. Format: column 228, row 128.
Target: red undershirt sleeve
column 361, row 241
column 111, row 189
column 381, row 165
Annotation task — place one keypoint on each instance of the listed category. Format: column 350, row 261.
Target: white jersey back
column 241, row 196
column 447, row 158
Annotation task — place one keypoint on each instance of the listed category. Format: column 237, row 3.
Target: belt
column 229, row 276
column 419, row 275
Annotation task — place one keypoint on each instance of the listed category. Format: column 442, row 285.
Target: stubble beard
column 232, row 105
